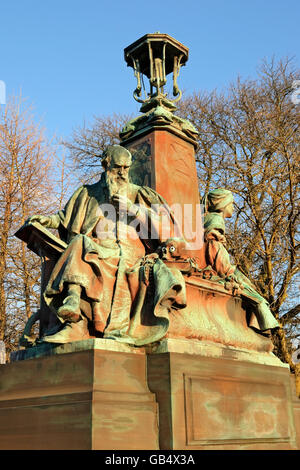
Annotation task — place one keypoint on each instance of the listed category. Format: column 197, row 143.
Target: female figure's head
column 219, row 200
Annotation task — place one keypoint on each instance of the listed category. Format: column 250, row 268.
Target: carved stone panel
column 233, row 410
column 220, row 403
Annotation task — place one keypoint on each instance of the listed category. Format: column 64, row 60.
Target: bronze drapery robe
column 111, row 270
column 218, row 258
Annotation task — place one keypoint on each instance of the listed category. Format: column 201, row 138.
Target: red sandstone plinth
column 178, row 394
column 83, row 400
column 165, row 161
column 221, row 399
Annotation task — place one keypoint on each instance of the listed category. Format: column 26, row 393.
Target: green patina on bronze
column 155, row 56
column 123, row 288
column 140, row 170
column 218, row 206
column 158, row 112
column 110, row 278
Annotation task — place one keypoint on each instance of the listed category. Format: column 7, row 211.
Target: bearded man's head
column 116, row 162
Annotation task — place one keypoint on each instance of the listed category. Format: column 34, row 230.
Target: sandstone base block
column 220, row 398
column 175, row 395
column 87, row 399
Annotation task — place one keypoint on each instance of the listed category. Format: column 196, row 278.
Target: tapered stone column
column 164, row 159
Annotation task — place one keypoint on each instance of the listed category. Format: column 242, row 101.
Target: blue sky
column 66, row 56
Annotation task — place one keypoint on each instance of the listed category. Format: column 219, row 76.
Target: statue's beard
column 116, row 184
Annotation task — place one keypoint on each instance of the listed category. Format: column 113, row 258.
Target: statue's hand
column 42, row 219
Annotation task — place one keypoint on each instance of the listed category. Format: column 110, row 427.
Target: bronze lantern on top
column 155, row 56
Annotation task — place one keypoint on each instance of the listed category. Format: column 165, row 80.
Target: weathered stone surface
column 220, row 403
column 48, row 349
column 94, row 394
column 170, row 169
column 214, row 350
column 89, row 399
column 296, row 407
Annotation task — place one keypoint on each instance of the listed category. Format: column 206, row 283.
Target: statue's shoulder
column 90, row 190
column 150, row 194
column 79, row 191
column 84, row 192
column 214, row 221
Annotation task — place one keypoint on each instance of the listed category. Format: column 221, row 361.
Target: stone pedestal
column 88, row 395
column 175, row 395
column 212, row 397
column 296, row 407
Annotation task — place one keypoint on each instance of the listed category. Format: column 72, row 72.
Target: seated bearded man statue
column 113, row 234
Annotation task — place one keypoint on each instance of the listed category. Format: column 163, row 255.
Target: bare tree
column 249, row 143
column 89, row 141
column 26, row 187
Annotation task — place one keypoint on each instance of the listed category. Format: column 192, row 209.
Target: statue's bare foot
column 70, row 310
